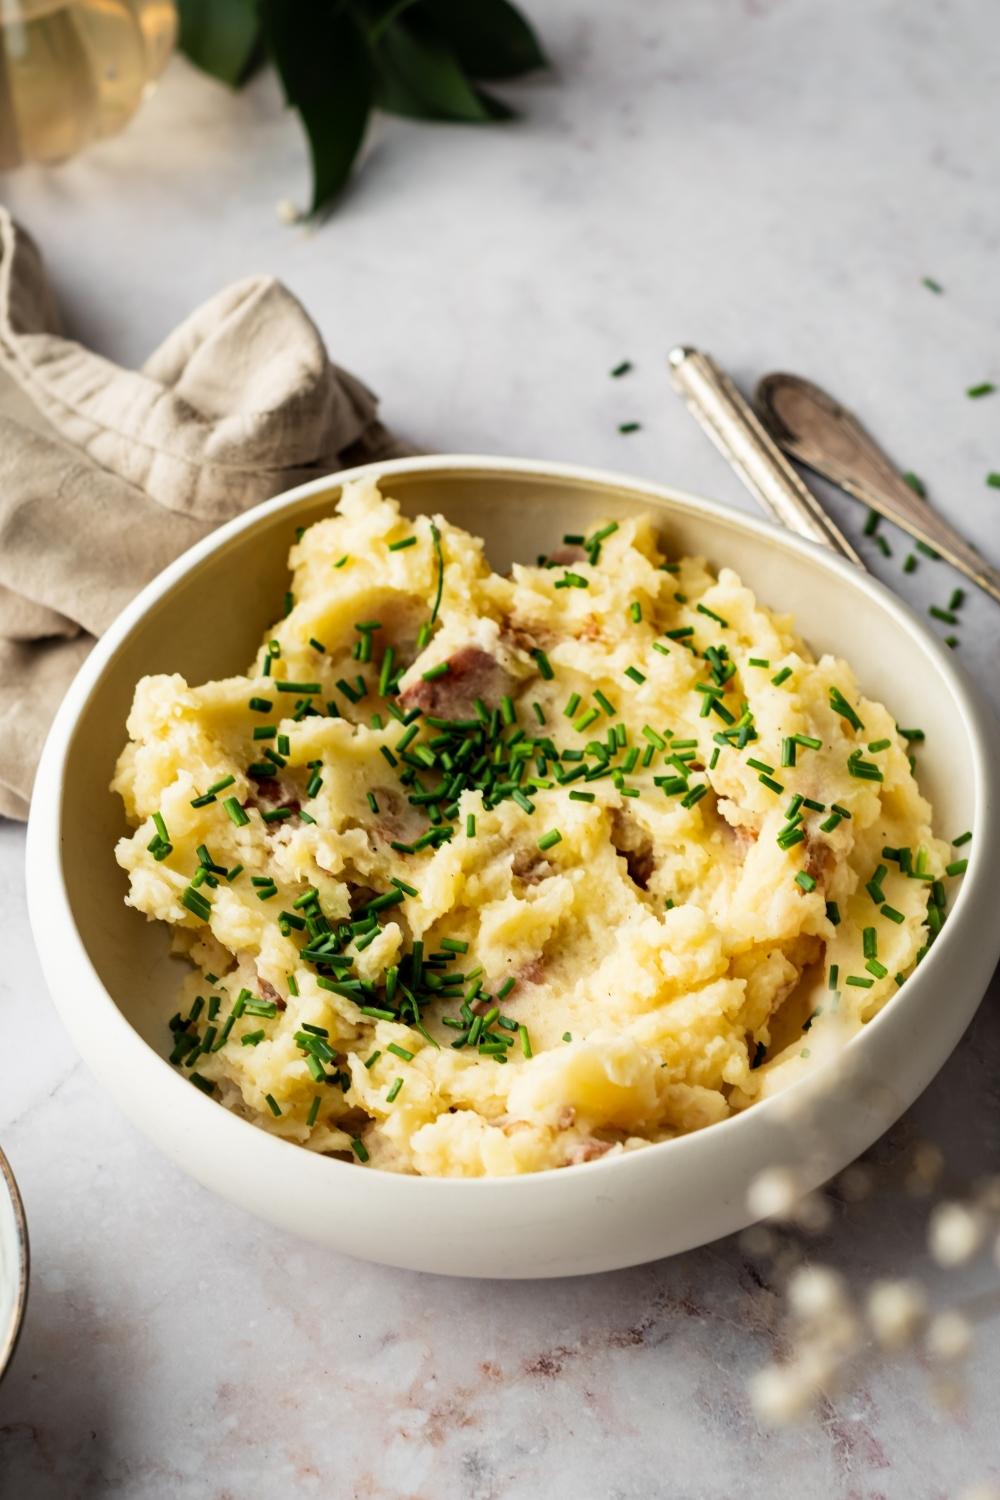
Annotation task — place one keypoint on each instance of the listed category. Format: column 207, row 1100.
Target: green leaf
column 220, row 36
column 322, row 56
column 491, row 39
column 379, row 14
column 420, row 75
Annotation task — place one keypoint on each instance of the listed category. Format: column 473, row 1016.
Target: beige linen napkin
column 107, row 474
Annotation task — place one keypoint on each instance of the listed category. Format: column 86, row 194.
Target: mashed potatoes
column 483, row 874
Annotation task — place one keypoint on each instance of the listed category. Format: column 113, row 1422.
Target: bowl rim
column 10, row 1335
column 46, row 885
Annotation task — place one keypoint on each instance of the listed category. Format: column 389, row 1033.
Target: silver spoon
column 730, row 421
column 821, row 434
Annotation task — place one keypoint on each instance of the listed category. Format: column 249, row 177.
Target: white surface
column 109, row 972
column 770, row 180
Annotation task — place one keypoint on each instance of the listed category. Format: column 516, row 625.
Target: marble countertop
column 771, row 180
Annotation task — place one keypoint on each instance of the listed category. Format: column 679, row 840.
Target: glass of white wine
column 72, row 71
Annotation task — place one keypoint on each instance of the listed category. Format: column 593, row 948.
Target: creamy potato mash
column 482, row 875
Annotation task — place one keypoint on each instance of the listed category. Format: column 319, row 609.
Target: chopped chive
column 840, row 705
column 876, row 745
column 433, row 673
column 261, row 705
column 605, row 703
column 305, row 689
column 859, row 983
column 804, row 881
column 359, row 1149
column 910, row 565
column 572, row 704
column 984, row 388
column 993, row 480
column 937, row 613
column 439, row 559
column 925, row 549
column 196, row 903
column 205, row 1084
column 703, row 609
column 963, row 838
column 957, row 867
column 932, row 285
column 313, row 1111
column 575, row 796
column 955, row 602
column 635, row 674
column 567, row 1036
column 758, row 661
column 892, row 914
column 871, row 523
column 771, row 784
column 621, row 369
column 833, row 913
column 236, row 813
column 396, row 1086
column 550, row 839
column 834, row 975
column 400, row 1051
column 782, row 676
column 470, row 826
column 629, row 426
column 543, row 664
column 272, row 1105
column 454, row 945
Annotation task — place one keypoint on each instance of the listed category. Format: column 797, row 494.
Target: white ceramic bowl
column 114, row 985
column 13, row 1264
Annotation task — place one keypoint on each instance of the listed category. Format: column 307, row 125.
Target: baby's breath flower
column 925, row 1169
column 896, row 1311
column 816, row 1292
column 780, row 1394
column 955, row 1233
column 949, row 1336
column 855, row 1182
column 812, row 1213
column 758, row 1241
column 773, row 1193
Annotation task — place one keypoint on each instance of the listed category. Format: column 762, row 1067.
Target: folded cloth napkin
column 107, row 474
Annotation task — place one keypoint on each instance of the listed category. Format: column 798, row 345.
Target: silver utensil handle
column 731, row 423
column 817, row 431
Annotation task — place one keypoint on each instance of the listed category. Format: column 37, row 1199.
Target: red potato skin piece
column 473, row 673
column 269, row 793
column 581, row 1151
column 268, row 992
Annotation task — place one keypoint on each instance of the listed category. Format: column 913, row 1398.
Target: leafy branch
column 340, row 59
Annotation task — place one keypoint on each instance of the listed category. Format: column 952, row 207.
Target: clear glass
column 72, row 71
